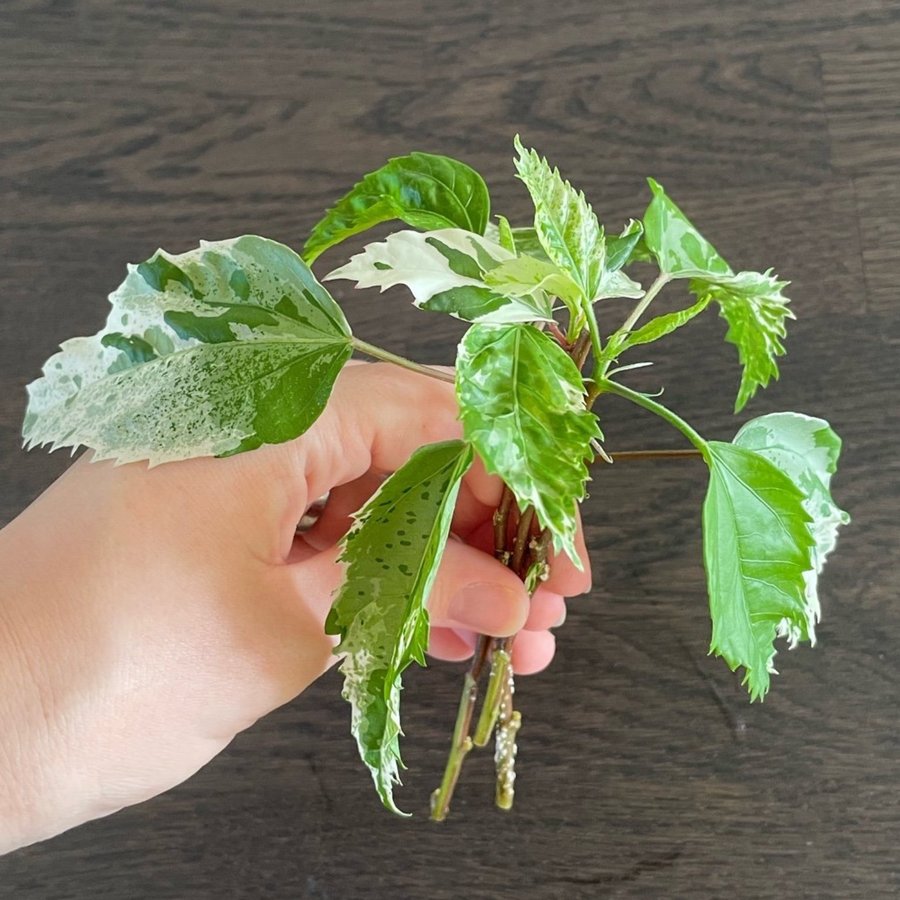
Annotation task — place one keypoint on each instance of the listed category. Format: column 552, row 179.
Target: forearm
column 36, row 784
column 130, row 653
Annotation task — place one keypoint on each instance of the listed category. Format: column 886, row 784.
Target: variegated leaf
column 521, row 401
column 806, row 449
column 209, row 352
column 446, row 272
column 564, row 221
column 392, row 554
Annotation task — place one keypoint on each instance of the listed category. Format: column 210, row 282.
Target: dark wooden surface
column 643, row 771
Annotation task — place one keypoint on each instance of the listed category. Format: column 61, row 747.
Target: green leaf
column 392, row 554
column 528, row 243
column 756, row 310
column 680, row 250
column 620, row 250
column 654, row 330
column 521, row 401
column 446, row 271
column 423, row 190
column 805, row 449
column 757, row 549
column 505, row 236
column 136, row 349
column 209, row 352
column 564, row 221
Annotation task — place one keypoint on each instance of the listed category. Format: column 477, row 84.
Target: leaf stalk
column 613, row 387
column 387, row 356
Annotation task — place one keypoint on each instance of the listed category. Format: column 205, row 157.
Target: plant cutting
column 237, row 344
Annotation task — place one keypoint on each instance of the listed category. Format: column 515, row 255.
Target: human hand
column 151, row 615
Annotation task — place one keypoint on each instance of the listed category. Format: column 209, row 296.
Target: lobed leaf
column 392, row 554
column 521, row 401
column 751, row 302
column 806, row 449
column 448, row 271
column 424, row 190
column 564, row 221
column 757, row 549
column 756, row 311
column 210, row 352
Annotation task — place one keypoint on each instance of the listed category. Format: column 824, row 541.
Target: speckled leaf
column 521, row 402
column 756, row 312
column 805, row 449
column 422, row 189
column 680, row 250
column 758, row 551
column 565, row 223
column 392, row 554
column 209, row 352
column 447, row 271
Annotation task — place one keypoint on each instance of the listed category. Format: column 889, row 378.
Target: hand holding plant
column 235, row 345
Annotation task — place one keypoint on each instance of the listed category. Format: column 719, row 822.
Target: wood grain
column 644, row 772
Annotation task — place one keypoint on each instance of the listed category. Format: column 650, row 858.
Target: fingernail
column 488, row 608
column 562, row 619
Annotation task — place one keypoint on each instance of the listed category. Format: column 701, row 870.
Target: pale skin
column 149, row 615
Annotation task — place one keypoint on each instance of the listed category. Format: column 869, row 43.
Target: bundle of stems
column 523, row 546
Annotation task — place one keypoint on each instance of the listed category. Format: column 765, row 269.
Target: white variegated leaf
column 445, row 270
column 564, row 221
column 392, row 553
column 209, row 352
column 618, row 284
column 806, row 449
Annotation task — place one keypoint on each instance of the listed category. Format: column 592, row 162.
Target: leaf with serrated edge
column 806, row 449
column 756, row 311
column 680, row 250
column 446, row 272
column 209, row 352
column 521, row 402
column 757, row 549
column 392, row 554
column 565, row 223
column 424, row 190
